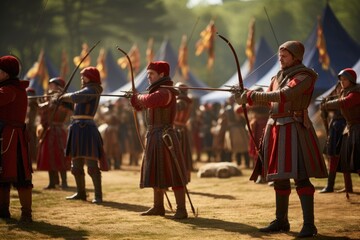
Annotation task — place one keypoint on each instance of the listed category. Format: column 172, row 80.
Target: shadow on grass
column 234, row 227
column 50, row 230
column 215, row 196
column 243, row 229
column 323, row 237
column 124, row 206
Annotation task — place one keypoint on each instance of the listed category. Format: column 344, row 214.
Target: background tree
column 29, row 26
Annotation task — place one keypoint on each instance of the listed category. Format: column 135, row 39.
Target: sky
column 193, row 3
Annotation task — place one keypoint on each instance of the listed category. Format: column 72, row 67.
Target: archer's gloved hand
column 128, row 95
column 55, row 99
column 323, row 105
column 65, row 97
column 135, row 103
column 241, row 96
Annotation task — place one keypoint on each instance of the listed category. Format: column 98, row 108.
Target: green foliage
column 66, row 24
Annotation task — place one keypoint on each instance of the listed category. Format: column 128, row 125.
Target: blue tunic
column 84, row 139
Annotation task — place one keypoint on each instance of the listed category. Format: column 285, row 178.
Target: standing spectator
column 31, row 122
column 221, row 145
column 109, row 133
column 195, row 131
column 183, row 111
column 84, row 143
column 208, row 121
column 335, row 128
column 15, row 164
column 163, row 165
column 238, row 133
column 290, row 146
column 52, row 136
column 258, row 116
column 349, row 104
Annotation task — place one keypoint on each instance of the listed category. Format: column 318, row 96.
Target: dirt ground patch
column 232, row 208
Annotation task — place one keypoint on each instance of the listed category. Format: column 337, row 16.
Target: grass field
column 232, row 208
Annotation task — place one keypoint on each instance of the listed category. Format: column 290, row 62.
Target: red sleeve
column 7, row 95
column 159, row 98
column 239, row 110
column 248, row 96
column 351, row 100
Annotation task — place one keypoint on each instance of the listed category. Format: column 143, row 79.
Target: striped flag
column 206, row 41
column 100, row 64
column 134, row 55
column 183, row 56
column 324, row 58
column 87, row 61
column 149, row 51
column 250, row 45
column 39, row 74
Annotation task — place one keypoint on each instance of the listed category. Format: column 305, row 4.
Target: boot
column 80, row 186
column 307, row 205
column 96, row 178
column 63, row 180
column 348, row 184
column 158, row 208
column 181, row 212
column 56, row 178
column 330, row 183
column 238, row 158
column 117, row 163
column 25, row 197
column 109, row 163
column 5, row 202
column 281, row 223
column 247, row 160
column 52, row 180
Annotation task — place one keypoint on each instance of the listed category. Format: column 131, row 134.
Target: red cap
column 10, row 65
column 92, row 74
column 349, row 73
column 58, row 81
column 160, row 67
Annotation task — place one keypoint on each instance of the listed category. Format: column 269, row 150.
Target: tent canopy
column 342, row 49
column 265, row 59
column 165, row 53
column 115, row 77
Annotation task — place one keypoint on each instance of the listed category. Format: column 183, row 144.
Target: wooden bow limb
column 69, row 82
column 258, row 165
column 57, row 102
column 133, row 91
column 241, row 86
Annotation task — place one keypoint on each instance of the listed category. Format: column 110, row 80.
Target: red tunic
column 13, row 106
column 290, row 145
column 159, row 167
column 52, row 142
column 349, row 104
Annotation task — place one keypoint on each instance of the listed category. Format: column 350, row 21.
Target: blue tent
column 357, row 70
column 342, row 49
column 115, row 77
column 265, row 59
column 165, row 53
